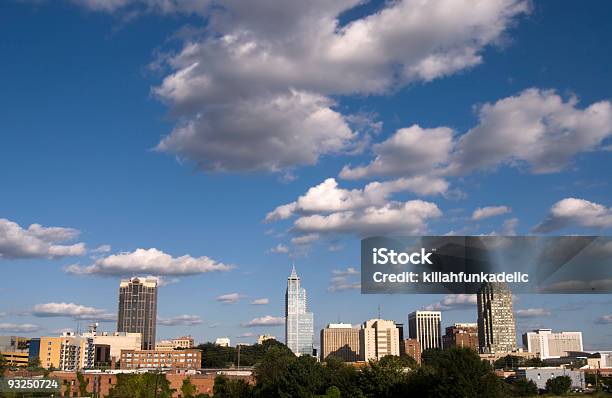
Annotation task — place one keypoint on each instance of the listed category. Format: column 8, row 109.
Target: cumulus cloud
column 304, row 239
column 37, row 241
column 346, row 272
column 576, row 212
column 489, row 211
column 394, row 217
column 18, row 328
column 260, row 301
column 410, row 151
column 146, row 6
column 344, row 279
column 532, row 313
column 453, row 302
column 253, row 92
column 536, row 127
column 102, row 249
column 229, row 298
column 151, row 261
column 267, row 320
column 71, row 310
column 180, row 320
column 279, row 249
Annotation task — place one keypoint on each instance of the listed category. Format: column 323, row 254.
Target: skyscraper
column 496, row 328
column 138, row 309
column 299, row 321
column 425, row 326
column 340, row 340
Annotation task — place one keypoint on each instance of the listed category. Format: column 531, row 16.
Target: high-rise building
column 138, row 309
column 425, row 326
column 496, row 327
column 464, row 335
column 299, row 322
column 377, row 338
column 340, row 340
column 411, row 348
column 547, row 344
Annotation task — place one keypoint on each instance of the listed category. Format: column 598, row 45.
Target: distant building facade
column 378, row 338
column 151, row 359
column 265, row 337
column 340, row 340
column 117, row 341
column 299, row 322
column 541, row 375
column 184, row 342
column 425, row 327
column 411, row 348
column 138, row 309
column 67, row 352
column 223, row 341
column 547, row 344
column 496, row 327
column 464, row 335
column 15, row 350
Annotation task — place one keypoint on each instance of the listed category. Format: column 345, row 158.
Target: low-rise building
column 464, row 335
column 15, row 350
column 152, row 359
column 184, row 342
column 411, row 348
column 68, row 352
column 541, row 375
column 265, row 337
column 116, row 340
column 547, row 344
column 223, row 341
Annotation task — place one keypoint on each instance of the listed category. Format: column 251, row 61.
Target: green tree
column 384, row 378
column 227, row 388
column 82, row 385
column 559, row 385
column 333, row 392
column 3, row 365
column 188, row 390
column 457, row 372
column 141, row 386
column 342, row 376
column 522, row 387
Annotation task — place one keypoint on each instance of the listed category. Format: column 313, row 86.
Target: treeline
column 215, row 356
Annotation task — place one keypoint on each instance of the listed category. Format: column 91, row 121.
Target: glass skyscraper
column 299, row 329
column 496, row 327
column 138, row 309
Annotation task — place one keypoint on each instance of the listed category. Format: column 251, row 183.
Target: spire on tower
column 293, row 272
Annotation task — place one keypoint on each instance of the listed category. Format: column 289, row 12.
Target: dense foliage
column 559, row 385
column 214, row 356
column 141, row 386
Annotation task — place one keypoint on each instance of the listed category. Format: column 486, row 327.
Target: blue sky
column 182, row 126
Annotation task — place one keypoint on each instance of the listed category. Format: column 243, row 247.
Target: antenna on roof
column 379, row 312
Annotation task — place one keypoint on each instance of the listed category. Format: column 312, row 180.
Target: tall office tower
column 378, row 338
column 425, row 327
column 496, row 327
column 464, row 335
column 547, row 344
column 138, row 309
column 299, row 321
column 340, row 340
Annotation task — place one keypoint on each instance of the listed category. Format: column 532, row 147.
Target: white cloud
column 410, row 151
column 229, row 298
column 261, row 301
column 344, row 279
column 72, row 310
column 304, row 239
column 279, row 249
column 576, row 212
column 18, row 328
column 254, row 92
column 490, row 211
column 102, row 249
column 604, row 319
column 509, row 227
column 146, row 6
column 536, row 127
column 180, row 320
column 532, row 313
column 152, row 261
column 245, row 335
column 267, row 320
column 394, row 217
column 453, row 302
column 37, row 241
column 327, row 197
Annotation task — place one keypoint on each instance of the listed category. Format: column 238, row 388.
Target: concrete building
column 547, row 344
column 15, row 350
column 425, row 327
column 340, row 340
column 411, row 348
column 223, row 341
column 299, row 322
column 496, row 327
column 377, row 338
column 265, row 337
column 138, row 309
column 461, row 335
column 183, row 342
column 116, row 340
column 151, row 359
column 541, row 375
column 68, row 352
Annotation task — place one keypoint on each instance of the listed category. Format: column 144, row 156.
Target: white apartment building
column 547, row 344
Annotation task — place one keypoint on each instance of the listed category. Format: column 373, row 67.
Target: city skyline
column 108, row 172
